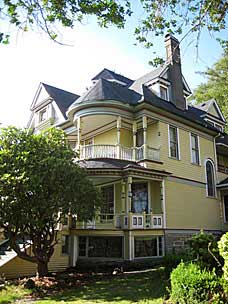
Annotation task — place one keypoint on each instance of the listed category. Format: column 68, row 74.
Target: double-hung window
column 107, row 208
column 173, row 142
column 195, row 149
column 163, row 93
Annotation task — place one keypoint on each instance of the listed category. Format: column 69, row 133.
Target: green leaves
column 216, row 84
column 38, row 178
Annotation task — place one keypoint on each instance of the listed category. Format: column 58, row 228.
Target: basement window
column 148, row 246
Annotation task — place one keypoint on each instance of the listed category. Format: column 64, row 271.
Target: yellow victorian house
column 161, row 164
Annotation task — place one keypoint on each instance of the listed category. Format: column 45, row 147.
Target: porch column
column 129, row 194
column 144, row 120
column 79, row 134
column 123, row 196
column 118, row 126
column 163, row 202
column 134, row 129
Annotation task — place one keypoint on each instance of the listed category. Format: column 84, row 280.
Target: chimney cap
column 169, row 36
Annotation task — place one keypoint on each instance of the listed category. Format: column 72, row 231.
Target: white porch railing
column 124, row 221
column 119, row 152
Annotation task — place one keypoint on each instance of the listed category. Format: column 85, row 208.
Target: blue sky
column 31, row 58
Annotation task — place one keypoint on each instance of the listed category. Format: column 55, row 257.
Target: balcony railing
column 124, row 221
column 119, row 152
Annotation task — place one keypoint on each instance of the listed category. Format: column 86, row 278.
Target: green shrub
column 171, row 260
column 204, row 251
column 192, row 285
column 223, row 250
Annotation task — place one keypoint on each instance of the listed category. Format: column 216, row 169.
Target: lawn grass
column 12, row 293
column 143, row 288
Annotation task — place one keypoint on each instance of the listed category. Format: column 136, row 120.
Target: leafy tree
column 39, row 184
column 159, row 17
column 216, row 86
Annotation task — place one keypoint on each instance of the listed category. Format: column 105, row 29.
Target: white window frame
column 198, row 143
column 149, row 257
column 167, row 91
column 178, row 142
column 44, row 110
column 114, row 196
column 205, row 164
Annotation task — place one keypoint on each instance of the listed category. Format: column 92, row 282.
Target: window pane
column 65, row 244
column 195, row 149
column 226, row 207
column 108, row 201
column 164, row 93
column 82, row 246
column 146, row 247
column 173, row 142
column 139, row 197
column 108, row 247
column 210, row 179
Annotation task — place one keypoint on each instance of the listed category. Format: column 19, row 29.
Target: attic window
column 163, row 93
column 43, row 115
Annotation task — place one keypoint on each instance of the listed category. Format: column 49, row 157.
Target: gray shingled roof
column 107, row 164
column 105, row 90
column 110, row 75
column 222, row 140
column 223, row 183
column 63, row 98
column 137, row 84
column 204, row 105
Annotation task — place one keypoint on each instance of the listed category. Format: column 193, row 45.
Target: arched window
column 210, row 178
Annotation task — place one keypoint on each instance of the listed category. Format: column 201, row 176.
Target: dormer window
column 42, row 115
column 164, row 93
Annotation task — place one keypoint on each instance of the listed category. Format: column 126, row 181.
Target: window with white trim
column 43, row 115
column 210, row 178
column 195, row 149
column 107, row 208
column 164, row 93
column 148, row 246
column 173, row 142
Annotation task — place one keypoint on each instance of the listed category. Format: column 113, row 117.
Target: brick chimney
column 174, row 73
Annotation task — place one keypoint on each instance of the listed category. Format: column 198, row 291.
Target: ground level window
column 148, row 246
column 226, row 208
column 101, row 247
column 65, row 244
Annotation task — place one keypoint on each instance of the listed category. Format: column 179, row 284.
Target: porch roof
column 223, row 184
column 123, row 167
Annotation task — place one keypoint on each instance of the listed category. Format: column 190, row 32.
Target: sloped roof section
column 62, row 98
column 112, row 76
column 212, row 109
column 192, row 113
column 105, row 90
column 222, row 140
column 137, row 84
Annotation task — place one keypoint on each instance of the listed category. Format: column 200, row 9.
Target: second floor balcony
column 119, row 152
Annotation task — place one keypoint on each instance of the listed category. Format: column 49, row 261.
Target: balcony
column 124, row 221
column 119, row 152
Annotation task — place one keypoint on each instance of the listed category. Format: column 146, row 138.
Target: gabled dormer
column 167, row 81
column 212, row 114
column 49, row 107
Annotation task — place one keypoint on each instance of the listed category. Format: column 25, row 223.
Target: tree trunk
column 42, row 268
